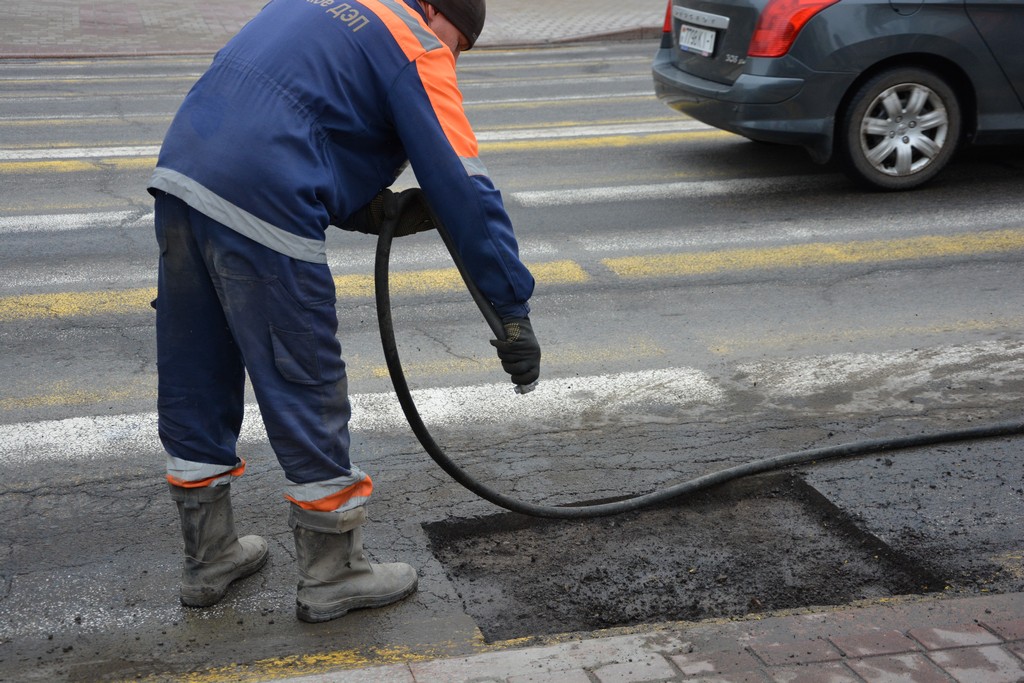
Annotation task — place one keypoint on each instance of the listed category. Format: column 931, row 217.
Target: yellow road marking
column 77, row 165
column 52, row 123
column 296, row 665
column 290, row 666
column 64, row 394
column 71, row 304
column 816, row 254
column 600, row 141
column 448, row 280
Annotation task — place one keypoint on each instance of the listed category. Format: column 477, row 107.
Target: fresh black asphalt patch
column 760, row 544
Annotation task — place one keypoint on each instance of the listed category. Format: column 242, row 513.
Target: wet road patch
column 759, row 544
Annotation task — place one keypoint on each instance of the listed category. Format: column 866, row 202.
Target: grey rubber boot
column 334, row 574
column 214, row 555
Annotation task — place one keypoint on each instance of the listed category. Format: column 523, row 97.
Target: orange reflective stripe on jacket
column 437, row 74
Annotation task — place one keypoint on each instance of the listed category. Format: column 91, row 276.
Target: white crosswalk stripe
column 85, row 438
column 563, row 401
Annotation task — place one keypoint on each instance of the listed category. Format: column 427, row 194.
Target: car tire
column 899, row 129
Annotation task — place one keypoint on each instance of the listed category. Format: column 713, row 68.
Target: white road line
column 542, row 133
column 883, row 381
column 509, row 82
column 347, row 259
column 561, row 98
column 78, row 153
column 167, row 114
column 781, row 230
column 83, row 439
column 679, row 190
column 79, row 78
column 783, row 379
column 592, row 131
column 482, row 63
column 84, row 117
column 73, row 221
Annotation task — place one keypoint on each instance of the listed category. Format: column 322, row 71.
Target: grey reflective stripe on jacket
column 473, row 166
column 219, row 209
column 427, row 39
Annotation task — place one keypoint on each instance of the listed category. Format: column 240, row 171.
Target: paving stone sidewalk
column 80, row 28
column 925, row 640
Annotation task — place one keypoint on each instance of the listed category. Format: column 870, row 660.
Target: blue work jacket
column 312, row 109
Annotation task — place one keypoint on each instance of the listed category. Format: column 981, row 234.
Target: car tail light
column 780, row 23
column 668, row 19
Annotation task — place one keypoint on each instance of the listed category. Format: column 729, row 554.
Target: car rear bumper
column 765, row 108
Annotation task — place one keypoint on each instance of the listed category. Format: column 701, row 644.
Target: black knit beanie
column 465, row 15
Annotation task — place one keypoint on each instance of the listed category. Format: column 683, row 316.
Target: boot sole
column 321, row 613
column 207, row 596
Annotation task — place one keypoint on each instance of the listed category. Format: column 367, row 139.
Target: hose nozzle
column 525, row 388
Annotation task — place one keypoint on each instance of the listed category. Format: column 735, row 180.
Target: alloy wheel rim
column 904, row 129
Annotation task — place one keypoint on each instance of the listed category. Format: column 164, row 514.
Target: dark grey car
column 890, row 88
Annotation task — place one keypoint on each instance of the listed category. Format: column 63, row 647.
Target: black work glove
column 410, row 206
column 520, row 352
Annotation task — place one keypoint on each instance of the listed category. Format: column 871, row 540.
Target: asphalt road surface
column 702, row 301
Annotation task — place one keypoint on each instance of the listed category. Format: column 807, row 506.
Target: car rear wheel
column 899, row 129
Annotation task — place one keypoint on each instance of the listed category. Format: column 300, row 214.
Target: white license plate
column 696, row 39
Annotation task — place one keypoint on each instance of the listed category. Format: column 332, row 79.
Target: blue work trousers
column 227, row 305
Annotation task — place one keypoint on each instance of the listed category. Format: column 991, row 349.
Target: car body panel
column 726, row 62
column 795, row 99
column 1002, row 36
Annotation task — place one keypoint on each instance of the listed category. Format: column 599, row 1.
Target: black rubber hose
column 813, row 455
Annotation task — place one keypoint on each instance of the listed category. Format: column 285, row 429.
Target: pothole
column 759, row 544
